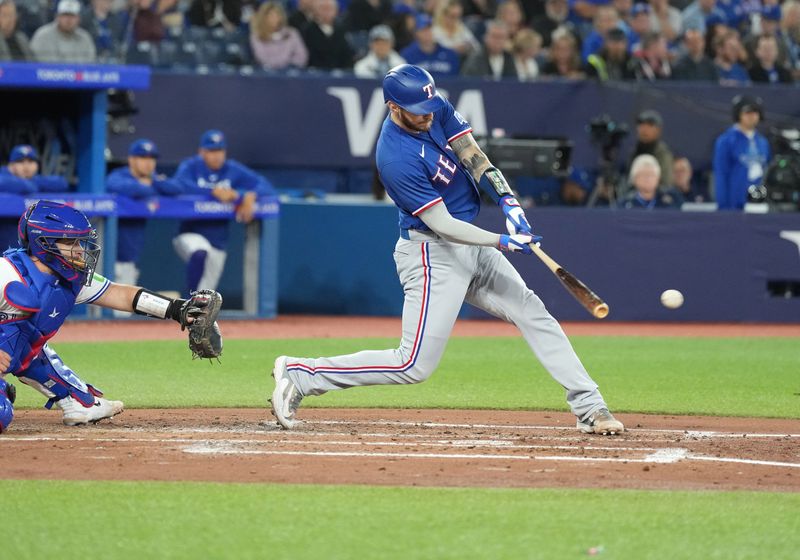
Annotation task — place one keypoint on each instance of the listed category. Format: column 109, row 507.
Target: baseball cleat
column 75, row 414
column 285, row 398
column 601, row 421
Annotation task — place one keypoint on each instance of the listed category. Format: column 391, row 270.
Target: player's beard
column 415, row 124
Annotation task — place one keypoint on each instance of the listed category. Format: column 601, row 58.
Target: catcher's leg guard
column 48, row 375
column 7, row 397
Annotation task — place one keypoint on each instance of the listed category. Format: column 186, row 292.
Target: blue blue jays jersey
column 195, row 177
column 420, row 169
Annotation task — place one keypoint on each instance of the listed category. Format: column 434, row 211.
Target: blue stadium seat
column 143, row 52
column 189, row 55
column 168, row 53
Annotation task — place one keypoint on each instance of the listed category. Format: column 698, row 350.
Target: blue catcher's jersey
column 420, row 169
column 34, row 305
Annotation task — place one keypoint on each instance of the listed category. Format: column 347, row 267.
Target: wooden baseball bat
column 586, row 297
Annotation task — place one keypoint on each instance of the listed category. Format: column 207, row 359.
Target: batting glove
column 518, row 243
column 516, row 222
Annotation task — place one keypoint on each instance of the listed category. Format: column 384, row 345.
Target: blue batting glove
column 516, row 222
column 518, row 243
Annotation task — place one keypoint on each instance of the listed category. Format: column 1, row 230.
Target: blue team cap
column 581, row 177
column 143, row 148
column 771, row 12
column 423, row 21
column 21, row 152
column 640, row 9
column 213, row 140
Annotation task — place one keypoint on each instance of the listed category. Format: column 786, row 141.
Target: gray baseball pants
column 437, row 277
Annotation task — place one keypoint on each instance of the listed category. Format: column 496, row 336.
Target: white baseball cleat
column 75, row 414
column 285, row 398
column 601, row 421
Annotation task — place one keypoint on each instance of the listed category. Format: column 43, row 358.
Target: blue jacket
column 10, row 183
column 738, row 163
column 196, row 178
column 130, row 240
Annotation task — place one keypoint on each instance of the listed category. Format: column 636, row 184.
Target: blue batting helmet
column 44, row 224
column 7, row 397
column 413, row 89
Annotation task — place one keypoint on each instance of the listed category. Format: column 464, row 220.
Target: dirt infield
column 405, row 447
column 408, row 447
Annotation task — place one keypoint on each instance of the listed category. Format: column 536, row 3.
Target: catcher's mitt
column 199, row 315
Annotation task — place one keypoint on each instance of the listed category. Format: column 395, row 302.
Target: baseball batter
column 432, row 168
column 40, row 283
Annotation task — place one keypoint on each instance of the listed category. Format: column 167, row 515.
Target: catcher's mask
column 62, row 238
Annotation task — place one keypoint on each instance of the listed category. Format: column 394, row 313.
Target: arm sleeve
column 51, row 183
column 13, row 184
column 167, row 187
column 126, row 185
column 441, row 222
column 248, row 180
column 186, row 179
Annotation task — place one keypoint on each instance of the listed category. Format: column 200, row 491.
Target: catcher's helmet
column 747, row 102
column 46, row 223
column 413, row 89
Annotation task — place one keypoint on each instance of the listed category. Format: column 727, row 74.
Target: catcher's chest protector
column 23, row 338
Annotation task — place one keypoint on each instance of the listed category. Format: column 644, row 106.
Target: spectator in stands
column 403, row 23
column 644, row 177
column 769, row 24
column 765, row 67
column 695, row 14
column 716, row 27
column 665, row 19
column 694, row 65
column 652, row 62
column 225, row 14
column 741, row 154
column 426, row 53
column 138, row 180
column 202, row 244
column 147, row 24
column 639, row 25
column 613, row 62
column 525, row 48
column 555, row 15
column 381, row 57
column 14, row 44
column 789, row 34
column 493, row 60
column 449, row 29
column 563, row 60
column 325, row 39
column 62, row 40
column 729, row 52
column 275, row 45
column 684, row 184
column 22, row 173
column 510, row 13
column 576, row 187
column 363, row 15
column 605, row 19
column 302, row 14
column 649, row 128
column 479, row 10
column 106, row 28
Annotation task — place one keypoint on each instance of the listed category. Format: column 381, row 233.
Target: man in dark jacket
column 493, row 60
column 327, row 45
column 694, row 64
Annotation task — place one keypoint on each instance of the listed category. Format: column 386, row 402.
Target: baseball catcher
column 42, row 280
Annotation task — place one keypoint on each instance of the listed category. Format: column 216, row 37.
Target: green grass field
column 737, row 377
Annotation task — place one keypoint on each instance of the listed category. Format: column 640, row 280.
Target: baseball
column 672, row 299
